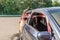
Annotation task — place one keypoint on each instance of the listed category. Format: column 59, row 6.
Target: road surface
column 8, row 27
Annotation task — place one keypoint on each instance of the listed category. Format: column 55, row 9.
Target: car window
column 38, row 21
column 56, row 15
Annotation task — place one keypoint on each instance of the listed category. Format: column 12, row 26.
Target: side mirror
column 44, row 35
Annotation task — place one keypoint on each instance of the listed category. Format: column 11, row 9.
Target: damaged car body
column 39, row 24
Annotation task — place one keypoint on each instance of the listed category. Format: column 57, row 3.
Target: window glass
column 56, row 15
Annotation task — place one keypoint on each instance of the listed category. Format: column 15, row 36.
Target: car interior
column 38, row 21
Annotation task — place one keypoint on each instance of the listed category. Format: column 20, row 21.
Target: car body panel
column 31, row 32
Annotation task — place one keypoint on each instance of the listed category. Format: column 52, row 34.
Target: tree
column 15, row 7
column 48, row 3
column 10, row 7
column 55, row 3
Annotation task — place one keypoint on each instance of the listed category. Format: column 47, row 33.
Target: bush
column 15, row 7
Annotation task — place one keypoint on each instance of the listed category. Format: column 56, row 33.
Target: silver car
column 41, row 24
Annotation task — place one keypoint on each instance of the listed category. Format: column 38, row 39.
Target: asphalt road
column 8, row 27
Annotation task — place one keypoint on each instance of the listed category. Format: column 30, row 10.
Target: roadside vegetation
column 15, row 7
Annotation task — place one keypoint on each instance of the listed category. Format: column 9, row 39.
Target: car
column 40, row 24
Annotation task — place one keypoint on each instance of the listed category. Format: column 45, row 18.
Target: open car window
column 38, row 21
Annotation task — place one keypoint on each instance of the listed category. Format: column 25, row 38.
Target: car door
column 29, row 33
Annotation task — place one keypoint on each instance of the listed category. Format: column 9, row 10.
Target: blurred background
column 15, row 7
column 10, row 11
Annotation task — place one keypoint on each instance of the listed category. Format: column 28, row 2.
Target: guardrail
column 10, row 15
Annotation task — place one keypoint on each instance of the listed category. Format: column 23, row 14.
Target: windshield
column 56, row 15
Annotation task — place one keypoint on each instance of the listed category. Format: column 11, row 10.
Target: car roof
column 48, row 8
column 52, row 8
